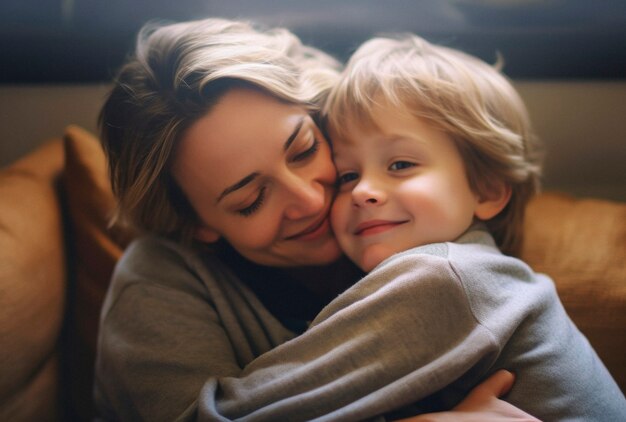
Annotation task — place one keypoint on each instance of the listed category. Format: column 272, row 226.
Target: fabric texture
column 581, row 244
column 95, row 250
column 420, row 330
column 173, row 319
column 32, row 285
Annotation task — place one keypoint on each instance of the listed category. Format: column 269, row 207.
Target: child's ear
column 491, row 204
column 206, row 234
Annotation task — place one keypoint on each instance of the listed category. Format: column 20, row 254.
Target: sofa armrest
column 581, row 244
column 32, row 285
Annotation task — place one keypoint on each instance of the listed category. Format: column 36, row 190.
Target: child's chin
column 371, row 261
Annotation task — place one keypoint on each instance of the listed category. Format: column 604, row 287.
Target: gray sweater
column 182, row 337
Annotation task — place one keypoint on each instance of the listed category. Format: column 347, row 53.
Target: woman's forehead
column 241, row 134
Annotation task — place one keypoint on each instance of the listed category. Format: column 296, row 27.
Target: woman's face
column 259, row 173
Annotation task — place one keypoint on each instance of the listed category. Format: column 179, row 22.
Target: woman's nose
column 366, row 194
column 305, row 198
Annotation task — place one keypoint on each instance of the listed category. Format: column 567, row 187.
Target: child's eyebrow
column 404, row 138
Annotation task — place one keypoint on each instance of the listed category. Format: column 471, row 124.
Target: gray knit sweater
column 182, row 337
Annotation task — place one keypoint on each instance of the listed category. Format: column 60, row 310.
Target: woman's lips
column 371, row 227
column 314, row 231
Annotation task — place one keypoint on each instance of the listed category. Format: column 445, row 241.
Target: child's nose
column 366, row 194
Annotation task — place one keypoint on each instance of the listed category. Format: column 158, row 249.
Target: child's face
column 400, row 186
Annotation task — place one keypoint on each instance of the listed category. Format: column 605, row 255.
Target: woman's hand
column 482, row 404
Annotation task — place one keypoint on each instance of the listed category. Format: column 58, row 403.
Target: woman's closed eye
column 252, row 208
column 256, row 204
column 308, row 152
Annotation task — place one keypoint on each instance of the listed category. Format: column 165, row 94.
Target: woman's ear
column 491, row 204
column 206, row 234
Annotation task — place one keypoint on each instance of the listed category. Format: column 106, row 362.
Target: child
column 436, row 162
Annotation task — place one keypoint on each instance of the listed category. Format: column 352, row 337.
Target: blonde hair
column 177, row 73
column 462, row 95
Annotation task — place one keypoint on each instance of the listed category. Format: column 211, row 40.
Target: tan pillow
column 581, row 244
column 94, row 251
column 32, row 285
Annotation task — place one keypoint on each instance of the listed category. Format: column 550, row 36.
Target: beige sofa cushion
column 95, row 247
column 32, row 285
column 581, row 244
column 95, row 250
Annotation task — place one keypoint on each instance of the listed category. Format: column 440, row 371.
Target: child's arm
column 388, row 342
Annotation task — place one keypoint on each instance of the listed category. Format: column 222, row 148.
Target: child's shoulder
column 476, row 242
column 473, row 256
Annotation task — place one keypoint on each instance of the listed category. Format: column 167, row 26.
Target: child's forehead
column 365, row 119
column 352, row 128
column 378, row 116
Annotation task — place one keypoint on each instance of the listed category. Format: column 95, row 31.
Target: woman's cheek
column 330, row 171
column 338, row 213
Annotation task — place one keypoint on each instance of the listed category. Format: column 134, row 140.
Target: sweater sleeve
column 172, row 322
column 399, row 335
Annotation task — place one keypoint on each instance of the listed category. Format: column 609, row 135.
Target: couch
column 57, row 253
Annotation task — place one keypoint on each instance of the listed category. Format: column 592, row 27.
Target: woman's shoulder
column 152, row 246
column 157, row 262
column 153, row 253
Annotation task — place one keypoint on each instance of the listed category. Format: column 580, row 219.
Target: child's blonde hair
column 464, row 96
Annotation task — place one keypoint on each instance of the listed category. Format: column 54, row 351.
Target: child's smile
column 372, row 227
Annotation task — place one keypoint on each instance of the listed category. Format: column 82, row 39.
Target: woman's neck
column 327, row 281
column 324, row 282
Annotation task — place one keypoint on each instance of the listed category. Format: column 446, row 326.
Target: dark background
column 80, row 41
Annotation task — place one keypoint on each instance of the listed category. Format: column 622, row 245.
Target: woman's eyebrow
column 294, row 133
column 249, row 178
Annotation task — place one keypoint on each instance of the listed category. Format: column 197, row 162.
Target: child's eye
column 401, row 165
column 252, row 208
column 347, row 178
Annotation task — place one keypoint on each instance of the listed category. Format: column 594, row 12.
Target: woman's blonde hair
column 462, row 95
column 177, row 73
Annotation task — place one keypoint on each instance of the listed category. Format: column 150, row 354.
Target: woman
column 215, row 155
